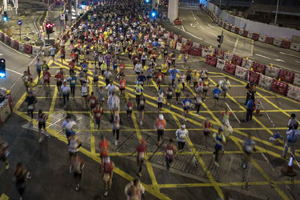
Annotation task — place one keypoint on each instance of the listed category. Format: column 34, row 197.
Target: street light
column 275, row 22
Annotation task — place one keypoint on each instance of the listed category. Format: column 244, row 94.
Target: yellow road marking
column 180, row 56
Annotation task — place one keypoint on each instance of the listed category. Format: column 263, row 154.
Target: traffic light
column 5, row 17
column 2, row 68
column 49, row 27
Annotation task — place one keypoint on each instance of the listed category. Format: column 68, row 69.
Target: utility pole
column 220, row 4
column 275, row 22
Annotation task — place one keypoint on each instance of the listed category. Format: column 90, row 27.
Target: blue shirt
column 173, row 73
column 249, row 104
column 52, row 51
column 141, row 78
column 72, row 80
column 186, row 102
column 217, row 92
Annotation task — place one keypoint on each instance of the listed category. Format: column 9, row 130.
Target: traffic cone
column 288, row 171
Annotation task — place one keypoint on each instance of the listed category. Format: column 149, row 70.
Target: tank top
column 207, row 125
column 122, row 84
column 161, row 124
column 107, row 168
column 98, row 113
column 103, row 148
column 84, row 90
column 170, row 152
column 135, row 192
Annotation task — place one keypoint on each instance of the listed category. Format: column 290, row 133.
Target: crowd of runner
column 114, row 37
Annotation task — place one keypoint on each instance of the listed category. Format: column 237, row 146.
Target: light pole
column 220, row 4
column 275, row 22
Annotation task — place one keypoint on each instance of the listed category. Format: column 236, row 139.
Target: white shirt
column 182, row 135
column 137, row 68
column 160, row 97
column 65, row 89
column 68, row 125
column 84, row 90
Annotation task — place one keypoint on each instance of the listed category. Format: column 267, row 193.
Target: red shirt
column 170, row 152
column 122, row 84
column 59, row 78
column 73, row 56
column 103, row 148
column 47, row 76
column 72, row 66
column 98, row 113
column 141, row 148
column 93, row 101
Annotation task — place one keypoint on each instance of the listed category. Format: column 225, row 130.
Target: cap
column 183, row 126
column 161, row 117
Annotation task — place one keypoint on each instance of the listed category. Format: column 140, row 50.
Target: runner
column 159, row 77
column 182, row 80
column 101, row 95
column 169, row 94
column 185, row 59
column 103, row 148
column 129, row 107
column 4, row 152
column 138, row 92
column 207, row 126
column 141, row 78
column 122, row 86
column 46, row 77
column 31, row 101
column 188, row 76
column 160, row 100
column 178, row 88
column 77, row 170
column 195, row 77
column 170, row 153
column 38, row 67
column 181, row 135
column 141, row 106
column 52, row 52
column 59, row 79
column 116, row 126
column 135, row 190
column 150, row 72
column 107, row 167
column 107, row 75
column 75, row 144
column 97, row 114
column 85, row 90
column 66, row 93
column 141, row 150
column 205, row 88
column 20, row 178
column 72, row 79
column 41, row 118
column 173, row 73
column 160, row 125
column 198, row 103
column 113, row 104
column 68, row 126
column 225, row 85
column 110, row 88
column 186, row 103
column 220, row 140
column 249, row 148
column 96, row 77
column 216, row 93
column 71, row 67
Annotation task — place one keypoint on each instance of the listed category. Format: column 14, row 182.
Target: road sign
column 19, row 22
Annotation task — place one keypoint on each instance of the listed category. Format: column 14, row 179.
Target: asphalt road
column 197, row 25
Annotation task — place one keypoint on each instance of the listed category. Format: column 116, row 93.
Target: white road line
column 229, row 41
column 279, row 60
column 202, row 27
column 1, row 54
column 236, row 43
column 195, row 18
column 252, row 47
column 192, row 25
column 265, row 52
column 15, row 50
column 263, row 56
column 14, row 72
column 297, row 61
column 286, row 68
column 289, row 54
column 193, row 13
column 197, row 22
column 182, row 28
column 212, row 34
column 190, row 34
column 209, row 25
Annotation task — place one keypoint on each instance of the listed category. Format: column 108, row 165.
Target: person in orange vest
column 103, row 148
column 135, row 190
column 97, row 114
column 108, row 167
column 141, row 150
column 160, row 125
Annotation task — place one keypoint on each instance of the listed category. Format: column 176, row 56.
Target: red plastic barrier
column 237, row 30
column 230, row 68
column 286, row 76
column 269, row 40
column 255, row 36
column 16, row 45
column 28, row 48
column 189, row 43
column 184, row 48
column 285, row 44
column 245, row 33
column 172, row 35
column 219, row 53
column 179, row 39
column 237, row 60
column 2, row 37
column 260, row 68
column 195, row 51
column 229, row 27
column 280, row 87
column 253, row 77
column 213, row 61
column 8, row 41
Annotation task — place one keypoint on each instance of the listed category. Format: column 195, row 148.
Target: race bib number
column 92, row 101
column 170, row 93
column 30, row 107
column 73, row 81
column 98, row 114
column 170, row 152
column 142, row 102
column 187, row 104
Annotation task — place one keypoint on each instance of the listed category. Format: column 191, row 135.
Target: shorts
column 42, row 125
column 46, row 81
column 188, row 78
column 96, row 79
column 121, row 89
column 62, row 56
column 217, row 98
column 115, row 67
column 148, row 77
column 159, row 105
column 52, row 56
column 71, row 154
column 142, row 108
column 58, row 84
column 177, row 95
column 206, row 133
column 137, row 73
column 3, row 159
column 186, row 108
column 77, row 175
column 169, row 97
column 85, row 96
